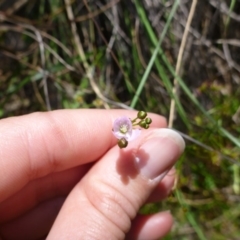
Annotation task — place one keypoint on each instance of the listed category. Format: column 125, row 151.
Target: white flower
column 122, row 128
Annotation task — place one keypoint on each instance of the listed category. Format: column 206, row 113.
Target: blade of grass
column 232, row 5
column 154, row 55
column 197, row 104
column 194, row 100
column 153, row 59
column 236, row 179
column 190, row 216
column 196, row 142
column 201, row 108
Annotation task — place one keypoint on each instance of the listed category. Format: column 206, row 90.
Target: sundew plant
column 177, row 58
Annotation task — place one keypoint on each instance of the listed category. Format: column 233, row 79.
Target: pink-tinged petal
column 120, row 135
column 135, row 134
column 122, row 121
column 122, row 128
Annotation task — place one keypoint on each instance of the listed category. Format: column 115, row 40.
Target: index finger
column 34, row 145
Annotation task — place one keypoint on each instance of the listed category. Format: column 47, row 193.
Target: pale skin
column 64, row 177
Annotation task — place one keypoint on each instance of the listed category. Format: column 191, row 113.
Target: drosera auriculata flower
column 124, row 128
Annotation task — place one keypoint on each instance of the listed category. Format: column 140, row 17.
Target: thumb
column 103, row 204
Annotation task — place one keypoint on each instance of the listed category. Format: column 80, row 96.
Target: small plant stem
column 136, row 124
column 179, row 63
column 134, row 120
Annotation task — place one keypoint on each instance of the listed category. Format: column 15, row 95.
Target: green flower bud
column 142, row 124
column 141, row 114
column 148, row 120
column 122, row 143
column 146, row 126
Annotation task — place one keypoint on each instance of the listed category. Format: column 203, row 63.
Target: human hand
column 65, row 167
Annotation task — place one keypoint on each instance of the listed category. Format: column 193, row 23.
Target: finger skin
column 150, row 227
column 60, row 184
column 164, row 188
column 106, row 200
column 37, row 223
column 37, row 191
column 26, row 201
column 38, row 144
column 33, row 225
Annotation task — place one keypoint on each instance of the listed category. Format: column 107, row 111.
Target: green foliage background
column 121, row 54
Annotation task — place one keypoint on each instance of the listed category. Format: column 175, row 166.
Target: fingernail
column 162, row 175
column 159, row 152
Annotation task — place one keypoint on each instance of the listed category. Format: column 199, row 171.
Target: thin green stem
column 155, row 53
column 134, row 120
column 154, row 59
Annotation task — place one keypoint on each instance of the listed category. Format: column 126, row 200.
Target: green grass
column 129, row 57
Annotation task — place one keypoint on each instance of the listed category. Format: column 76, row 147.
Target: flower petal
column 125, row 122
column 135, row 134
column 122, row 121
column 118, row 134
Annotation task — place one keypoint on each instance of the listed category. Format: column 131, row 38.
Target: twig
column 54, row 53
column 111, row 52
column 179, row 62
column 44, row 34
column 96, row 13
column 39, row 39
column 201, row 40
column 233, row 42
column 16, row 6
column 208, row 148
column 222, row 7
column 228, row 55
column 43, row 63
column 88, row 69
